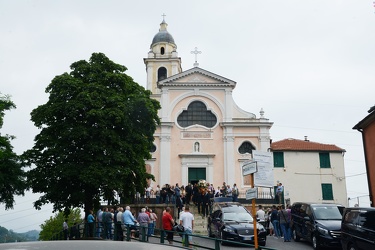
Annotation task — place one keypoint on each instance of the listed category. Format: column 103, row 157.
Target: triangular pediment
column 197, row 77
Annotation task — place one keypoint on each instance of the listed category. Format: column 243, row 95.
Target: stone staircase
column 200, row 223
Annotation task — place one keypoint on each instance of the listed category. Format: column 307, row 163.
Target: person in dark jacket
column 195, row 194
column 163, row 194
column 275, row 220
column 179, row 204
column 211, row 195
column 205, row 203
column 198, row 200
column 108, row 219
column 189, row 192
column 74, row 231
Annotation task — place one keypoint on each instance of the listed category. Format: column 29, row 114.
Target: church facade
column 203, row 133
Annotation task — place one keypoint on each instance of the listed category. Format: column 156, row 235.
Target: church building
column 203, row 133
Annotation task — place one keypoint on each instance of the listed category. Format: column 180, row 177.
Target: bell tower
column 162, row 61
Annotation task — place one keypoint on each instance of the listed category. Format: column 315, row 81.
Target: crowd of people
column 111, row 223
column 179, row 196
column 124, row 219
column 191, row 193
column 278, row 220
column 108, row 220
column 101, row 225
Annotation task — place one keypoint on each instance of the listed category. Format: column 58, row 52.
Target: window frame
column 327, row 191
column 278, row 159
column 197, row 113
column 153, row 148
column 244, row 145
column 162, row 73
column 324, row 160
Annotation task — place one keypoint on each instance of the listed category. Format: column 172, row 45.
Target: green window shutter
column 327, row 191
column 324, row 160
column 278, row 159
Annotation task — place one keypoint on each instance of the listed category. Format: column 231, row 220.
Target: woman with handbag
column 151, row 226
column 285, row 223
column 168, row 223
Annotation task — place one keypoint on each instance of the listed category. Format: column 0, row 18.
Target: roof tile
column 291, row 144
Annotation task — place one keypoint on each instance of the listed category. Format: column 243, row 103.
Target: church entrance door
column 196, row 174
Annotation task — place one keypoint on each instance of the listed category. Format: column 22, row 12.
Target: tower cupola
column 163, row 36
column 162, row 61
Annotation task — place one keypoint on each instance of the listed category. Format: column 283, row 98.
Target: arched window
column 246, row 147
column 197, row 113
column 162, row 50
column 162, row 73
column 153, row 148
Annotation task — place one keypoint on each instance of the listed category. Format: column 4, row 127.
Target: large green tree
column 53, row 226
column 12, row 176
column 96, row 131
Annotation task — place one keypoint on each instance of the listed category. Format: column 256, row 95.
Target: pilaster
column 165, row 149
column 229, row 173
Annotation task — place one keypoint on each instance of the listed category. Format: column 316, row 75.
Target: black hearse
column 317, row 223
column 231, row 221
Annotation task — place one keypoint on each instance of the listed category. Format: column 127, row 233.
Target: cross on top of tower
column 196, row 52
column 164, row 15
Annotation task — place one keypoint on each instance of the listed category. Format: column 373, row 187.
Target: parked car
column 318, row 223
column 358, row 228
column 232, row 221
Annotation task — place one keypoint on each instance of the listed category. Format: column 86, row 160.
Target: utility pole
column 250, row 168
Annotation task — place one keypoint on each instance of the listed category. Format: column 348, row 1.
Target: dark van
column 358, row 228
column 318, row 223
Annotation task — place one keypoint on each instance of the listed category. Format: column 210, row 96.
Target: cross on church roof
column 196, row 52
column 164, row 15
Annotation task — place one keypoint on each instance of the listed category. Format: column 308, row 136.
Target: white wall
column 302, row 177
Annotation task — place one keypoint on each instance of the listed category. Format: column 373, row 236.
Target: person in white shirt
column 187, row 220
column 279, row 193
column 235, row 192
column 261, row 214
column 148, row 194
column 229, row 191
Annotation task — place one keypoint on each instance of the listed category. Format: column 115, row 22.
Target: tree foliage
column 95, row 133
column 7, row 236
column 54, row 225
column 12, row 175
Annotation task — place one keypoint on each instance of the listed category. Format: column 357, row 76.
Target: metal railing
column 265, row 195
column 121, row 232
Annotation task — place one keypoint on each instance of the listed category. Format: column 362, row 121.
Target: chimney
column 306, row 138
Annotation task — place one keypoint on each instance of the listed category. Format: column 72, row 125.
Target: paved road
column 83, row 245
column 272, row 243
column 278, row 244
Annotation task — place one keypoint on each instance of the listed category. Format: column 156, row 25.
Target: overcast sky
column 310, row 64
